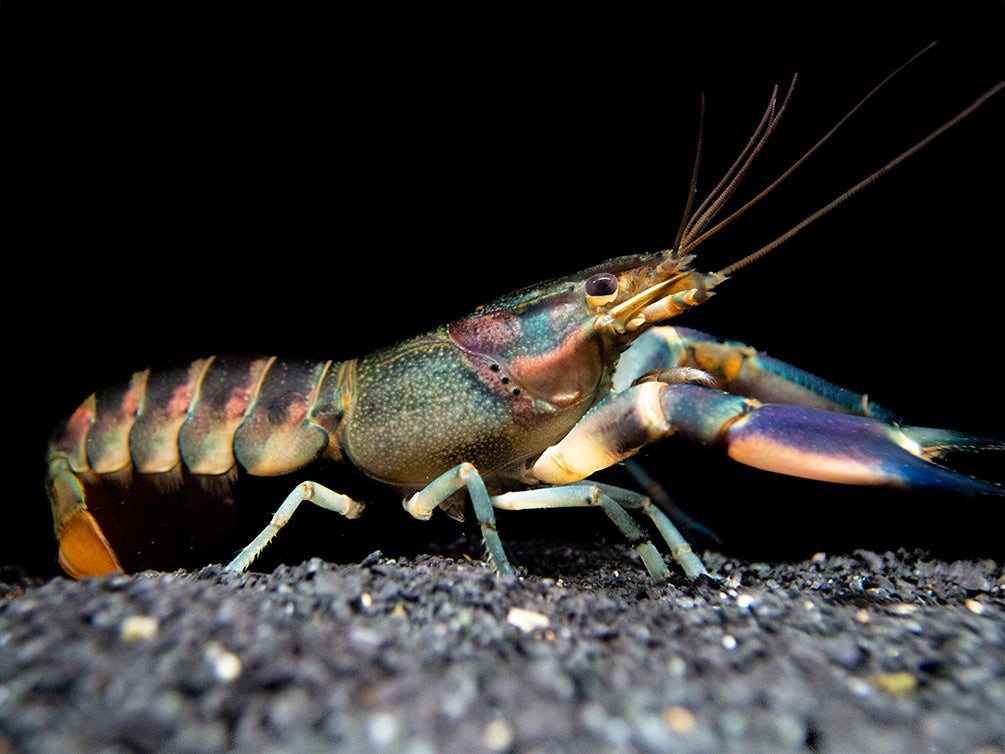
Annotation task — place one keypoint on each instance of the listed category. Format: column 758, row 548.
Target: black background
column 318, row 180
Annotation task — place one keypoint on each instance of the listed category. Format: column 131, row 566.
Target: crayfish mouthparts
column 659, row 302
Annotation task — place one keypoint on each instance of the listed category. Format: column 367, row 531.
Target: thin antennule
column 774, row 184
column 727, row 184
column 726, row 271
column 692, row 188
column 700, row 223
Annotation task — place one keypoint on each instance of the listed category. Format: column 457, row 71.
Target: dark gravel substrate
column 870, row 652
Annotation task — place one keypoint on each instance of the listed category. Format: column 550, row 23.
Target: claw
column 939, row 443
column 817, row 444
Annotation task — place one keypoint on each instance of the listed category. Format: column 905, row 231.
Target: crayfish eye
column 602, row 288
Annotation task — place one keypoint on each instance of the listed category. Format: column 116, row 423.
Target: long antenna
column 694, row 235
column 712, row 203
column 725, row 271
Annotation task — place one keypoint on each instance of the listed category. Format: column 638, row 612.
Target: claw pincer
column 812, row 443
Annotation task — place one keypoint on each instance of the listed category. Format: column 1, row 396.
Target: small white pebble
column 498, row 735
column 975, row 607
column 526, row 620
column 676, row 667
column 618, row 732
column 138, row 628
column 744, row 601
column 594, row 716
column 859, row 686
column 226, row 665
column 819, row 557
column 729, row 641
column 365, row 599
column 382, row 729
column 862, row 616
column 366, row 637
column 678, row 719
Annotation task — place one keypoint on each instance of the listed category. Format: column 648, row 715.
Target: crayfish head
column 559, row 342
column 628, row 295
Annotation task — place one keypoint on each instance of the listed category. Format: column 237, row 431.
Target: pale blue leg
column 614, row 501
column 589, row 496
column 680, row 548
column 310, row 492
column 422, row 504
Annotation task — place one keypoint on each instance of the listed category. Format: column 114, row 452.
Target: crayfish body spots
column 426, row 405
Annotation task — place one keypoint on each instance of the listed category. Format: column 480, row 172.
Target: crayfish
column 513, row 406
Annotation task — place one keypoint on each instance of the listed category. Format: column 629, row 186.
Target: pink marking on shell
column 296, row 410
column 131, row 400
column 488, row 333
column 181, row 399
column 237, row 402
column 78, row 424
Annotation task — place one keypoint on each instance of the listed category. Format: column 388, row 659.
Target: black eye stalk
column 602, row 289
column 602, row 284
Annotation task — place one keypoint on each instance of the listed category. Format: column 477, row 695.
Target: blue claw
column 816, row 444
